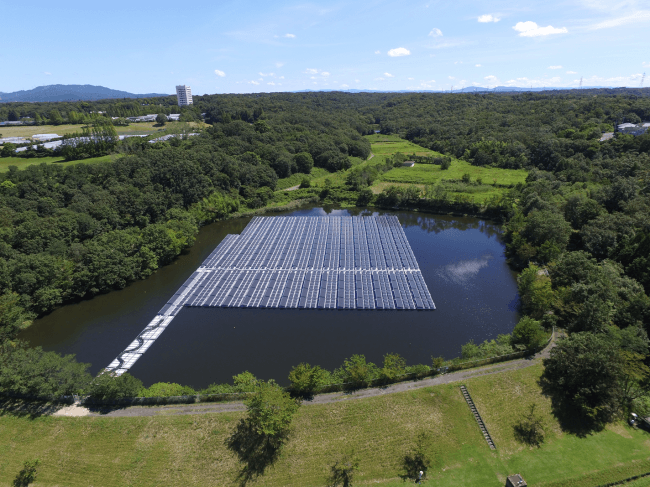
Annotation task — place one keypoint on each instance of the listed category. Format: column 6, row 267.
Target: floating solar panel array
column 300, row 262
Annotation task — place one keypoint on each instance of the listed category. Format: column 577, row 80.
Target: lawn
column 190, row 450
column 23, row 162
column 432, row 174
column 141, row 128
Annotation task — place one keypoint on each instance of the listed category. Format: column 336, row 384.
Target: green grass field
column 189, row 450
column 133, row 129
column 422, row 175
column 22, row 162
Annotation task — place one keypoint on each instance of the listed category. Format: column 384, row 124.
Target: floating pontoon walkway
column 299, row 262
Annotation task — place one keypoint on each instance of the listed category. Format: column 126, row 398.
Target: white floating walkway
column 299, row 262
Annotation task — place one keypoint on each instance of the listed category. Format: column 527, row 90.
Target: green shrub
column 420, row 370
column 357, row 371
column 167, row 389
column 394, row 367
column 107, row 385
column 529, row 332
column 245, row 382
column 305, row 379
column 305, row 182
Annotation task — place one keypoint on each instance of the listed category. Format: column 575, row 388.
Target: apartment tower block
column 184, row 95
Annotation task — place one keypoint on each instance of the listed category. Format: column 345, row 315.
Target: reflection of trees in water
column 433, row 223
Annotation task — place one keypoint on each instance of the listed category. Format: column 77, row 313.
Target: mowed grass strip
column 432, row 174
column 190, row 450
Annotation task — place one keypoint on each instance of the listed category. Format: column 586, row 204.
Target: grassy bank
column 140, row 128
column 189, row 450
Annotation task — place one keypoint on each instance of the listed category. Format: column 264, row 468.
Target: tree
column 583, row 373
column 55, row 117
column 529, row 333
column 636, row 377
column 418, row 459
column 270, row 411
column 31, row 371
column 305, row 183
column 161, row 119
column 530, row 429
column 28, row 474
column 306, row 378
column 544, row 225
column 357, row 371
column 343, row 470
column 108, row 385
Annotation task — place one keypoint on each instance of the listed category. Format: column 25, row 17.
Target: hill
column 69, row 93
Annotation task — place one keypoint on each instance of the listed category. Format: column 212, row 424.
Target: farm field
column 190, row 450
column 23, row 162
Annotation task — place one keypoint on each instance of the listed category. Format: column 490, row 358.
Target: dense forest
column 578, row 229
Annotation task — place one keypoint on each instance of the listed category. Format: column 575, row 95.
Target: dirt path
column 292, row 188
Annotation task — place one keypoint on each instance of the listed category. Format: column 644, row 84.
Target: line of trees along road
column 579, row 229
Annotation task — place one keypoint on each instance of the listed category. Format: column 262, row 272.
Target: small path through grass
column 202, row 408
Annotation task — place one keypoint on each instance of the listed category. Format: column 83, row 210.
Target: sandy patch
column 72, row 411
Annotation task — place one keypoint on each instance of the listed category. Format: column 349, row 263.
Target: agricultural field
column 190, row 450
column 23, row 162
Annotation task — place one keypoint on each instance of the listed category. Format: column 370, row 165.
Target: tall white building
column 184, row 95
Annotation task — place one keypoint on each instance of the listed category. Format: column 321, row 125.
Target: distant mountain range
column 471, row 89
column 69, row 93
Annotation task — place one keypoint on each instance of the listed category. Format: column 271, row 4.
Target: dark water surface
column 461, row 260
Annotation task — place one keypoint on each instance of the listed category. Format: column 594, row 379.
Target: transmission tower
column 580, row 82
column 642, row 80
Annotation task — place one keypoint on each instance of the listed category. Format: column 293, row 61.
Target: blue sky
column 260, row 46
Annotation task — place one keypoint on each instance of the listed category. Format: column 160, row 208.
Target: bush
column 107, row 385
column 27, row 475
column 529, row 333
column 357, row 371
column 305, row 183
column 167, row 389
column 394, row 367
column 305, row 378
column 420, row 370
column 437, row 362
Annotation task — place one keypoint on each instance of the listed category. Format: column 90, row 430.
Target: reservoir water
column 462, row 261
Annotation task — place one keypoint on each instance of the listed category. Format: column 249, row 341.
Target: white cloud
column 312, row 77
column 388, row 75
column 435, row 32
column 279, row 65
column 555, row 67
column 380, row 79
column 47, row 73
column 399, row 51
column 458, row 62
column 377, row 52
column 288, row 36
column 281, row 77
column 571, row 72
column 645, row 65
column 271, row 83
column 410, row 79
column 266, row 74
column 477, row 65
column 357, row 81
column 311, row 71
column 638, row 16
column 324, row 73
column 531, row 29
column 488, row 18
column 345, row 86
column 255, row 83
column 451, row 77
column 491, row 78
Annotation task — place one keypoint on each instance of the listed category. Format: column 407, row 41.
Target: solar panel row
column 299, row 262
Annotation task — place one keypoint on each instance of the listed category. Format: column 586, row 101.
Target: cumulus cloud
column 555, row 67
column 345, row 86
column 271, row 83
column 47, row 73
column 477, row 65
column 266, row 74
column 388, row 75
column 380, row 79
column 288, row 36
column 451, row 77
column 357, row 81
column 324, row 73
column 377, row 52
column 571, row 72
column 399, row 51
column 279, row 65
column 255, row 82
column 219, row 73
column 311, row 71
column 488, row 18
column 645, row 65
column 491, row 78
column 410, row 79
column 435, row 32
column 531, row 29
